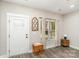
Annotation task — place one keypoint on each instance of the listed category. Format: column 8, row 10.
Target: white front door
column 19, row 32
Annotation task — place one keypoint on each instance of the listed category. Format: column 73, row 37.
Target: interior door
column 19, row 32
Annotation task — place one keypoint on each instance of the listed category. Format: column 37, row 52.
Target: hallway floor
column 57, row 52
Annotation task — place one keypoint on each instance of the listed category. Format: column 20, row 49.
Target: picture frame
column 35, row 24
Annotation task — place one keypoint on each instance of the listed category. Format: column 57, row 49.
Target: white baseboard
column 75, row 47
column 50, row 47
column 4, row 56
column 30, row 51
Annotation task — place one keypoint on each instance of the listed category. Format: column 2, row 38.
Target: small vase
column 65, row 38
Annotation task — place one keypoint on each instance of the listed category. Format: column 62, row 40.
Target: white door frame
column 8, row 30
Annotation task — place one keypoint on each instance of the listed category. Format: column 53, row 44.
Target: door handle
column 26, row 35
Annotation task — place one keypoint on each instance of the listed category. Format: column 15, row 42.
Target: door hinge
column 9, row 35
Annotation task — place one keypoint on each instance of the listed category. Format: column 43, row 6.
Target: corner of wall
column 74, row 47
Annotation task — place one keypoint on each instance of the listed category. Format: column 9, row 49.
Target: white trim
column 4, row 56
column 15, row 14
column 75, row 47
column 7, row 34
column 50, row 47
column 8, row 31
column 30, row 51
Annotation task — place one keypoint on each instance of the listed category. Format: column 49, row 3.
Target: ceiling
column 55, row 6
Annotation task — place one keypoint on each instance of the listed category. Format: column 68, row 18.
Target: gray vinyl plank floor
column 56, row 52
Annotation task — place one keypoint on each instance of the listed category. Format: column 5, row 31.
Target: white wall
column 35, row 36
column 0, row 21
column 71, row 27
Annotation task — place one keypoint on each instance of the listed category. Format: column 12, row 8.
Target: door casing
column 8, row 30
